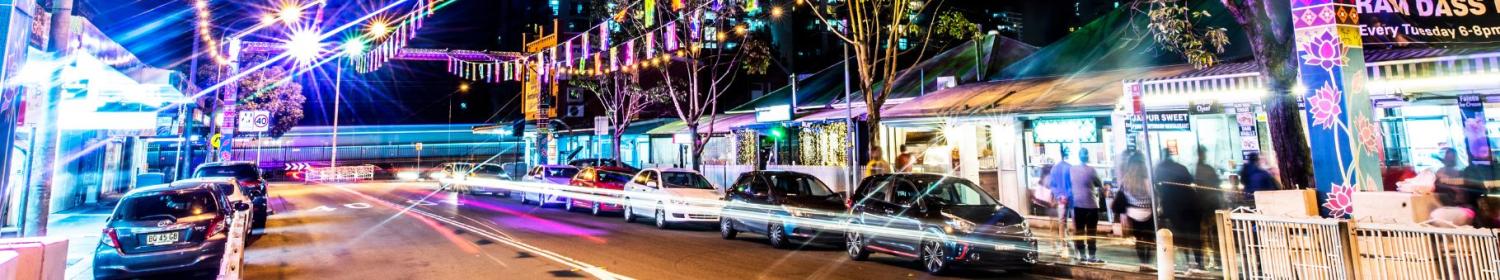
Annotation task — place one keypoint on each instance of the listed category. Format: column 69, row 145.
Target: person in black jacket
column 1179, row 205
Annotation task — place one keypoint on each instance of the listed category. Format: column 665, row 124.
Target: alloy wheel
column 726, row 228
column 855, row 245
column 777, row 233
column 932, row 257
column 661, row 218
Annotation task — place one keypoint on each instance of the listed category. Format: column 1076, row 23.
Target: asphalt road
column 409, row 231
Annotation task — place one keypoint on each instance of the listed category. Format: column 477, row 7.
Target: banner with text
column 1425, row 23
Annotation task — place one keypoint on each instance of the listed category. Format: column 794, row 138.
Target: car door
column 640, row 192
column 753, row 200
column 735, row 203
column 905, row 215
column 875, row 210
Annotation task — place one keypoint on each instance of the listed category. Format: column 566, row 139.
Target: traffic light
column 778, row 133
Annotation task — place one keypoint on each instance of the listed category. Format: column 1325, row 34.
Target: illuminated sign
column 1080, row 130
column 774, row 113
column 95, row 91
column 1168, row 121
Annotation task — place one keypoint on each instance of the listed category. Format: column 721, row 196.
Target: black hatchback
column 182, row 227
column 248, row 174
column 783, row 205
column 939, row 221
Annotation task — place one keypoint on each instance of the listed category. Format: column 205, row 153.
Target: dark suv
column 249, row 177
column 182, row 227
column 783, row 205
column 939, row 221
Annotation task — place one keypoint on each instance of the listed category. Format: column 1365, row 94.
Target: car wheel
column 568, row 205
column 726, row 228
column 776, row 232
column 629, row 213
column 933, row 257
column 854, row 243
column 661, row 218
column 595, row 209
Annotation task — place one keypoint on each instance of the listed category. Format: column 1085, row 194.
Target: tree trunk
column 1271, row 43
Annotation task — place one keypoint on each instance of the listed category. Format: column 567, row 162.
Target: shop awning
column 722, row 123
column 1072, row 93
column 964, row 62
column 1419, row 72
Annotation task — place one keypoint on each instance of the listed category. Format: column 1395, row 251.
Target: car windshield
column 798, row 185
column 241, row 172
column 167, row 205
column 685, row 180
column 614, row 177
column 463, row 166
column 956, row 192
column 560, row 172
column 489, row 169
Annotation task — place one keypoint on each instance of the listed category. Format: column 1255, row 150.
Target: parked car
column 940, row 221
column 549, row 174
column 671, row 196
column 601, row 162
column 604, row 178
column 783, row 205
column 514, row 170
column 450, row 170
column 246, row 174
column 174, row 228
column 487, row 171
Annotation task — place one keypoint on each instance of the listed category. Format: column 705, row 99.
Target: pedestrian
column 1179, row 205
column 1085, row 208
column 1210, row 198
column 1060, row 182
column 1134, row 205
column 1254, row 178
column 877, row 164
column 1455, row 191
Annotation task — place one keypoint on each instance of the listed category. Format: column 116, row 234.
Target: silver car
column 176, row 228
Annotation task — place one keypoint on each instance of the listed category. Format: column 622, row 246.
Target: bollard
column 1166, row 255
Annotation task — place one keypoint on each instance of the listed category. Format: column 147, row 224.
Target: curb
column 1085, row 272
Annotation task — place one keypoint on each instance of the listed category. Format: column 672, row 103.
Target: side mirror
column 652, row 185
column 841, row 194
column 241, row 206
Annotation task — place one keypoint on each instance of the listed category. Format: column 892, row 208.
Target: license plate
column 164, row 238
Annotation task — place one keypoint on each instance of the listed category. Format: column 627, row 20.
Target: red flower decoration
column 1340, row 201
column 1370, row 136
column 1324, row 106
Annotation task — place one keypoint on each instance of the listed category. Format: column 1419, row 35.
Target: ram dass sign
column 1428, row 23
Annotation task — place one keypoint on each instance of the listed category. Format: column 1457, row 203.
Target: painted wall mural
column 1345, row 141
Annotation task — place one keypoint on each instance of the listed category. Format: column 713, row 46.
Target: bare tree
column 711, row 54
column 874, row 30
column 1268, row 26
column 624, row 100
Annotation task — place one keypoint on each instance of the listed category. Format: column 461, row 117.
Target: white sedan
column 672, row 196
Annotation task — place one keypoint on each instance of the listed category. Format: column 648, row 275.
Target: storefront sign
column 1244, row 115
column 1415, row 23
column 1205, row 107
column 1168, row 121
column 1471, row 107
column 1079, row 130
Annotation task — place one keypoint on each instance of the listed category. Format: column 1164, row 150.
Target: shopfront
column 1202, row 116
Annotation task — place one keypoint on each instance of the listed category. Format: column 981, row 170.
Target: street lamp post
column 338, row 81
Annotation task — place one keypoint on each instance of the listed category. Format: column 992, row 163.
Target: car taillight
column 216, row 226
column 113, row 240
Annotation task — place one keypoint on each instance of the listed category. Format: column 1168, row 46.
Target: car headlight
column 959, row 224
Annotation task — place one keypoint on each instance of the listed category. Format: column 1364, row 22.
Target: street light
column 290, row 12
column 304, row 46
column 378, row 28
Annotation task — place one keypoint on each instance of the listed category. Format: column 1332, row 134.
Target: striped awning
column 1439, row 72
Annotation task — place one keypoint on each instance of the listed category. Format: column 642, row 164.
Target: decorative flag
column 671, row 36
column 568, row 53
column 613, row 59
column 677, row 5
column 650, row 44
column 586, row 52
column 603, row 36
column 598, row 61
column 650, row 12
column 630, row 52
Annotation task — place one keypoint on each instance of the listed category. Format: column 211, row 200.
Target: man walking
column 1085, row 208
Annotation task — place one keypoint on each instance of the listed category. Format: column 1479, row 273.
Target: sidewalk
column 1118, row 254
column 83, row 226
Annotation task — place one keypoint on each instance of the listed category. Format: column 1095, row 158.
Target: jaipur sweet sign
column 1414, row 23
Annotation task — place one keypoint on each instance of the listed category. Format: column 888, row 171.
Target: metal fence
column 1256, row 246
column 341, row 173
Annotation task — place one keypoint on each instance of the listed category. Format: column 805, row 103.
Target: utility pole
column 338, row 81
column 45, row 140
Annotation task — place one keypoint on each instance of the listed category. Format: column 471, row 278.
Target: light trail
column 825, row 221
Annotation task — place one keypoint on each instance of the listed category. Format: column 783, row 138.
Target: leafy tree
column 1268, row 25
column 271, row 89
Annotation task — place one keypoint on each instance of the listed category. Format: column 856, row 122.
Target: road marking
column 323, row 208
column 358, row 205
column 596, row 271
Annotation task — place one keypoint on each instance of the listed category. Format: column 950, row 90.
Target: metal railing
column 233, row 262
column 1391, row 251
column 340, row 173
column 1256, row 246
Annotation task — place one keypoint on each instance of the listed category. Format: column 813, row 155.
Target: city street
column 369, row 231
